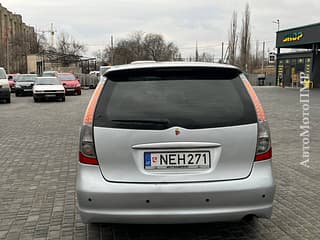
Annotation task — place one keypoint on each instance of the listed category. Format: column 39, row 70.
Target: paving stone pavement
column 38, row 166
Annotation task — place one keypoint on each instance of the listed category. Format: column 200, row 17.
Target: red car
column 12, row 81
column 71, row 83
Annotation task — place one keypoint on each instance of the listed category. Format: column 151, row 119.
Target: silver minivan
column 174, row 143
column 4, row 86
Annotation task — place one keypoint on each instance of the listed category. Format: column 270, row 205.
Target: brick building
column 17, row 41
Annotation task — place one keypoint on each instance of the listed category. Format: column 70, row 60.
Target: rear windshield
column 164, row 98
column 49, row 74
column 47, row 81
column 26, row 78
column 66, row 77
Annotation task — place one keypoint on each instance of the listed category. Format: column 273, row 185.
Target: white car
column 4, row 86
column 48, row 88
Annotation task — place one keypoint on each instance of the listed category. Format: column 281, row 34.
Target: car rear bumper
column 4, row 93
column 22, row 91
column 73, row 90
column 103, row 201
column 49, row 95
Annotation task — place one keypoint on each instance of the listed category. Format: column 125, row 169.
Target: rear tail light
column 264, row 150
column 87, row 153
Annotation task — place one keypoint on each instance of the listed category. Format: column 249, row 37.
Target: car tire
column 63, row 99
column 35, row 99
column 17, row 94
column 8, row 100
column 249, row 219
column 79, row 93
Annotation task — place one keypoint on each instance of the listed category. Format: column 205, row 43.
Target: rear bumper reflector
column 87, row 160
column 264, row 156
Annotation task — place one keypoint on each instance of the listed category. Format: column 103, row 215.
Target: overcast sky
column 183, row 22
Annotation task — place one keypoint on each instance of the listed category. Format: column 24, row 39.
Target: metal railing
column 87, row 80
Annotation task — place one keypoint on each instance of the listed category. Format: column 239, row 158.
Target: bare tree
column 103, row 56
column 245, row 38
column 136, row 45
column 67, row 50
column 67, row 45
column 42, row 42
column 157, row 49
column 139, row 46
column 233, row 38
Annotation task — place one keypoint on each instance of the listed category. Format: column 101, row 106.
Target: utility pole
column 52, row 32
column 197, row 53
column 222, row 51
column 263, row 49
column 257, row 49
column 278, row 23
column 112, row 53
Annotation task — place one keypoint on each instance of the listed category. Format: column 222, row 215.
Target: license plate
column 177, row 160
column 50, row 95
column 70, row 89
column 28, row 90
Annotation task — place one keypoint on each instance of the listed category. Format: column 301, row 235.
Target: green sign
column 293, row 37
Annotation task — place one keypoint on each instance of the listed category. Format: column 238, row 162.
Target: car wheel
column 17, row 94
column 35, row 99
column 8, row 100
column 249, row 218
column 63, row 99
column 79, row 93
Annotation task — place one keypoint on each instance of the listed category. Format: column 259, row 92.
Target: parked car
column 95, row 73
column 4, row 86
column 48, row 88
column 12, row 78
column 49, row 74
column 24, row 84
column 70, row 82
column 174, row 143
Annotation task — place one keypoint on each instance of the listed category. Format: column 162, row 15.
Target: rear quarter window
column 193, row 98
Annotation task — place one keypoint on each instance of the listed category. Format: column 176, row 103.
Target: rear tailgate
column 175, row 125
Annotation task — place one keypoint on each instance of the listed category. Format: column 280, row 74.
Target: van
column 174, row 143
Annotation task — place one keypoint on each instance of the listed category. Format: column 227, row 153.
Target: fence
column 270, row 79
column 88, row 80
column 91, row 81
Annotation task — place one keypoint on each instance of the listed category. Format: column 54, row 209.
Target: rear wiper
column 141, row 121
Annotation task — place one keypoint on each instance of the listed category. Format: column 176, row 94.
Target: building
column 303, row 56
column 17, row 40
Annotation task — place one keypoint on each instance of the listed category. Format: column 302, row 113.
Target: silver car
column 174, row 143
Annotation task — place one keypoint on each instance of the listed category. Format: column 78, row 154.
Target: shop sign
column 293, row 37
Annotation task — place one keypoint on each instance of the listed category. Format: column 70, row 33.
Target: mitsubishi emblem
column 177, row 131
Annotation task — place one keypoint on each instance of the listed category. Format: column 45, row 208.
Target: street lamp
column 278, row 23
